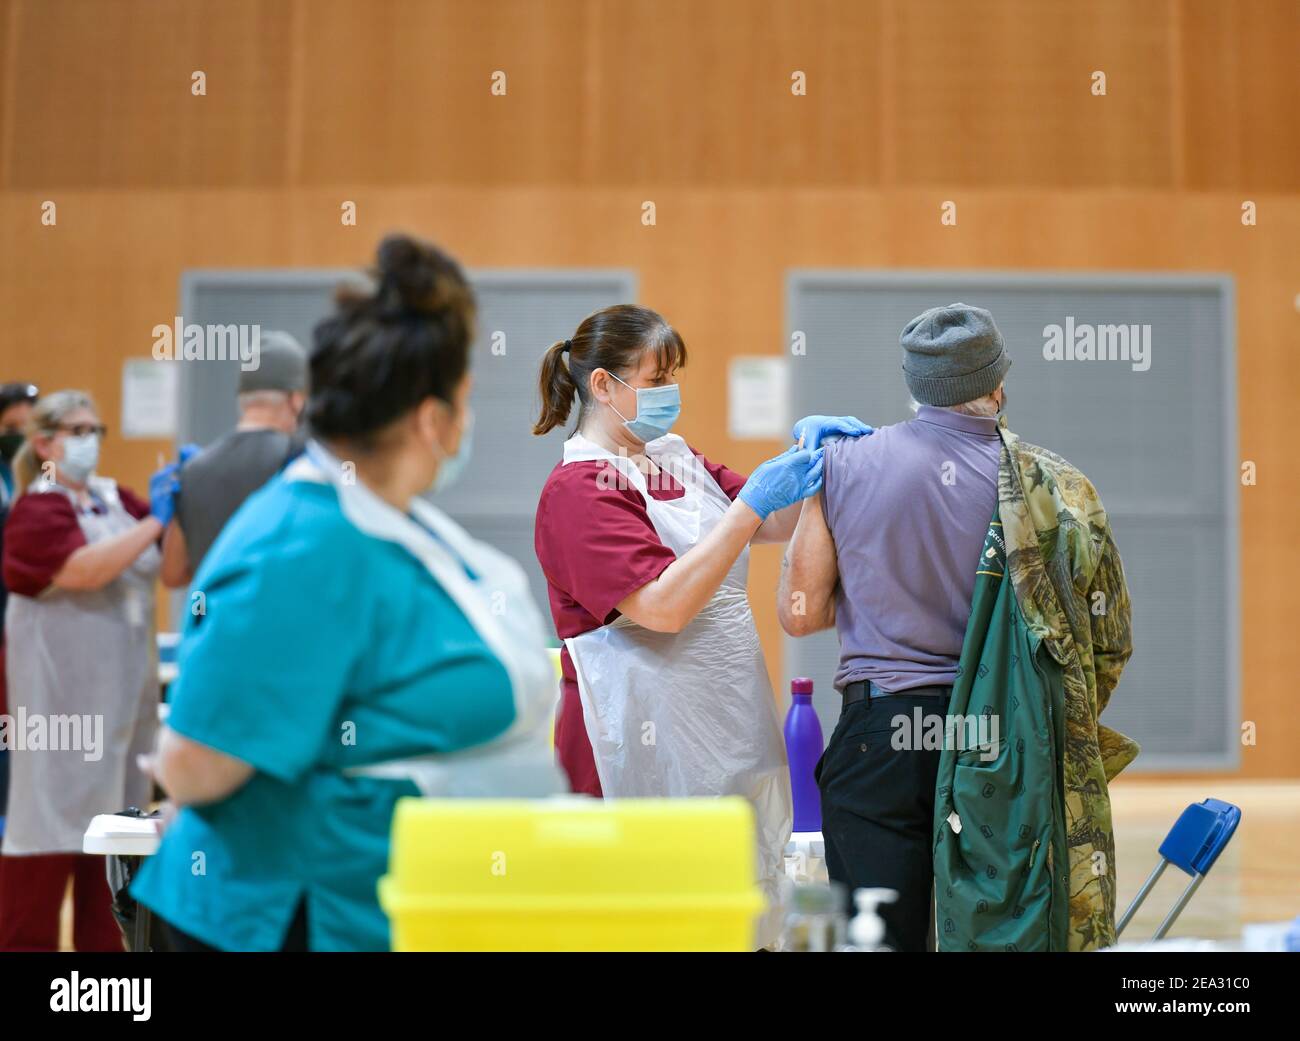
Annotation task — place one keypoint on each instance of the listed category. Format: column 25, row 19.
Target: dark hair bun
column 416, row 276
column 383, row 352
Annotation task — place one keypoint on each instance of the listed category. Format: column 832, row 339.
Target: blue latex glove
column 783, row 481
column 163, row 487
column 189, row 451
column 815, row 429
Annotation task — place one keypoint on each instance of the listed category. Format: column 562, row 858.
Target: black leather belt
column 861, row 689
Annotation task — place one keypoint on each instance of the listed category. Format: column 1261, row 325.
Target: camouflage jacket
column 1069, row 584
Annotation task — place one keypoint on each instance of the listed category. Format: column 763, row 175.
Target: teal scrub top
column 317, row 647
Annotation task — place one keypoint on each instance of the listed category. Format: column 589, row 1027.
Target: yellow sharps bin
column 572, row 874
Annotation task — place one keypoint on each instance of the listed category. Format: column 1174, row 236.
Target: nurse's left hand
column 163, row 487
column 810, row 431
column 783, row 481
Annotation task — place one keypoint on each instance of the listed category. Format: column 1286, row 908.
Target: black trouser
column 878, row 809
column 295, row 938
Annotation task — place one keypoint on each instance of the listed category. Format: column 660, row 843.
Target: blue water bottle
column 803, row 746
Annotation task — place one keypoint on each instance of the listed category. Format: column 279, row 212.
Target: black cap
column 16, row 393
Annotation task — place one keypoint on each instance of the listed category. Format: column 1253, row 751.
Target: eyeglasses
column 82, row 429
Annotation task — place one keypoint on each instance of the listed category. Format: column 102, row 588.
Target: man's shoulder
column 207, row 459
column 888, row 451
column 235, row 450
column 879, row 440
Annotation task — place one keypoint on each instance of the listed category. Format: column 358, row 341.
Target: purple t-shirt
column 909, row 507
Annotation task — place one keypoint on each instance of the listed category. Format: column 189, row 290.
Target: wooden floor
column 1256, row 879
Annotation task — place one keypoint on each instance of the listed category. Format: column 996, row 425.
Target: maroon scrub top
column 41, row 533
column 597, row 546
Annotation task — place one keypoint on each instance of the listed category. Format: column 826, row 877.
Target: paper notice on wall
column 757, row 406
column 149, row 390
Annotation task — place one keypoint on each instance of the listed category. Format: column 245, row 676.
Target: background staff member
column 16, row 401
column 215, row 482
column 80, row 561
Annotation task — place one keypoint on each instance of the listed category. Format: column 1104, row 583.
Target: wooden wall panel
column 8, row 65
column 398, row 91
column 701, row 93
column 999, row 93
column 102, row 93
column 651, row 92
column 1240, row 70
column 655, row 92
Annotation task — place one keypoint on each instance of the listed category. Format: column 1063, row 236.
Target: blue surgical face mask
column 657, row 409
column 80, row 457
column 453, row 466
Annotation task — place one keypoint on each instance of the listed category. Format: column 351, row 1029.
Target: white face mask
column 657, row 409
column 80, row 456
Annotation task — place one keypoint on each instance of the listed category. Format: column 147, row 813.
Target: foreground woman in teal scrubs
column 348, row 644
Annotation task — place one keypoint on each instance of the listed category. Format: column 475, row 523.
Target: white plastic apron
column 78, row 653
column 688, row 713
column 499, row 606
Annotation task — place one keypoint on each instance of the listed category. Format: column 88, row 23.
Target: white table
column 111, row 834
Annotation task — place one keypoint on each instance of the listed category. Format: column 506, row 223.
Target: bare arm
column 779, row 526
column 670, row 601
column 176, row 572
column 809, row 574
column 96, row 565
column 191, row 772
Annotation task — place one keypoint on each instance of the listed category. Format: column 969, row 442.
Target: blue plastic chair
column 1193, row 844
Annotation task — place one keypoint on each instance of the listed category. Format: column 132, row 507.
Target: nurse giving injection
column 645, row 547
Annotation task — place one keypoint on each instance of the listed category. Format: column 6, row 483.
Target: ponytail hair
column 613, row 339
column 557, row 388
column 26, row 467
